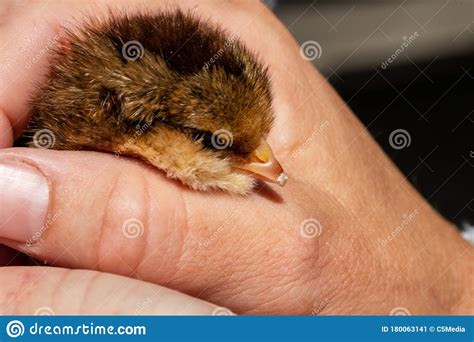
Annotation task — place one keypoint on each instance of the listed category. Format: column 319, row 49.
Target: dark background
column 427, row 90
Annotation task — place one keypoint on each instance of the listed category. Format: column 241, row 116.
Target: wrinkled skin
column 243, row 253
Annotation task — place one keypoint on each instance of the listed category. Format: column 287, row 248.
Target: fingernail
column 24, row 198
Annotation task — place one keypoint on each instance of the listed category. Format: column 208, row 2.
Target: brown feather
column 164, row 104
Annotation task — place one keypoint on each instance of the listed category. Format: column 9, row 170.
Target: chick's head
column 210, row 131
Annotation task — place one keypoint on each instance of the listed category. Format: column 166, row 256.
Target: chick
column 168, row 88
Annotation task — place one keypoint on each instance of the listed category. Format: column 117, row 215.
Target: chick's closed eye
column 168, row 88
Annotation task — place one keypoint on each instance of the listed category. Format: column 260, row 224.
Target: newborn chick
column 167, row 88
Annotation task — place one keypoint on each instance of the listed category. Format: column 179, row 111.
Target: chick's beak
column 263, row 165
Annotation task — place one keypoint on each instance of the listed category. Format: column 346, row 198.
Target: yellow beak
column 264, row 166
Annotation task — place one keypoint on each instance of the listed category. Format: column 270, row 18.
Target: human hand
column 59, row 291
column 255, row 254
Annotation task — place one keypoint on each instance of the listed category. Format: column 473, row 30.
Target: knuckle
column 143, row 232
column 278, row 255
column 123, row 228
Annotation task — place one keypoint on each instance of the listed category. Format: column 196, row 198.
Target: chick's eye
column 197, row 135
column 204, row 137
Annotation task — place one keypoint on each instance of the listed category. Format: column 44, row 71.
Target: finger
column 56, row 291
column 122, row 217
column 6, row 132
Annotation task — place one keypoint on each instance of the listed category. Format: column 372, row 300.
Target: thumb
column 24, row 200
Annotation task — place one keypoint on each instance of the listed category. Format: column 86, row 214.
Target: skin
column 248, row 255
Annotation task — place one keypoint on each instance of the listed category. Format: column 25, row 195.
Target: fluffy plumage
column 169, row 88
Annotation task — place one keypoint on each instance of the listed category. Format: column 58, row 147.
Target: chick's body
column 168, row 88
